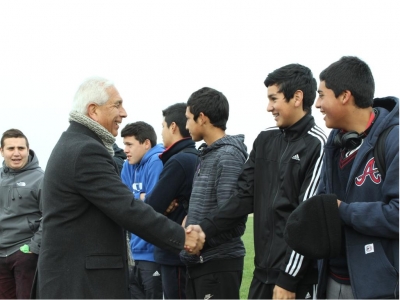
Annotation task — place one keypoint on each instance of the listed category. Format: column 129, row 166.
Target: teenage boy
column 180, row 160
column 20, row 215
column 217, row 271
column 140, row 173
column 368, row 264
column 282, row 171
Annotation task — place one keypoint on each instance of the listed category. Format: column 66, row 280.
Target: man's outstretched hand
column 195, row 239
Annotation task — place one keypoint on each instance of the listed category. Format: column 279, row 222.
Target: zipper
column 273, row 202
column 199, row 166
column 8, row 202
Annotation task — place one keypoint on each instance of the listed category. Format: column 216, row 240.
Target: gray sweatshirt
column 214, row 182
column 20, row 207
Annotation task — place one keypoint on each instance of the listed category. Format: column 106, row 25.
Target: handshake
column 194, row 239
column 194, row 235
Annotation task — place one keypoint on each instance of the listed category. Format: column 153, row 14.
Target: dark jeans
column 145, row 280
column 16, row 275
column 173, row 282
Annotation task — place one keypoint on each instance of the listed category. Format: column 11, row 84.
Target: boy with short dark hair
column 180, row 160
column 217, row 271
column 282, row 171
column 140, row 173
column 20, row 215
column 368, row 264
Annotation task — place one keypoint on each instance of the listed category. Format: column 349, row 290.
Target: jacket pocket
column 104, row 261
column 371, row 273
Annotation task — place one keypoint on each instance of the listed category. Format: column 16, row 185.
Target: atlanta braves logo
column 370, row 171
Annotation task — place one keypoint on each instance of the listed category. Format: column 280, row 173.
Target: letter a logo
column 370, row 171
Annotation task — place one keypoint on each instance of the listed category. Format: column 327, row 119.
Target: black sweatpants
column 219, row 285
column 145, row 280
column 173, row 281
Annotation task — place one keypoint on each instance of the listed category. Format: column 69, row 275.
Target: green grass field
column 248, row 260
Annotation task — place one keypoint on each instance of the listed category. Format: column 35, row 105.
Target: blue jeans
column 16, row 275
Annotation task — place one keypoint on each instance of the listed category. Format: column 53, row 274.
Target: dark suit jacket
column 85, row 208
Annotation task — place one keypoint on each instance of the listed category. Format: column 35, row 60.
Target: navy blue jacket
column 370, row 211
column 175, row 182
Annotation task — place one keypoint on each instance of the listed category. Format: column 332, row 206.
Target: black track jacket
column 282, row 171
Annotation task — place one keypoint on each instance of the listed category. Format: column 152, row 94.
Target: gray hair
column 92, row 90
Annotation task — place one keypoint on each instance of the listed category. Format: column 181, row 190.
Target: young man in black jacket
column 180, row 160
column 282, row 171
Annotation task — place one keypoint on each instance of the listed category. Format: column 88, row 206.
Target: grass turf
column 248, row 259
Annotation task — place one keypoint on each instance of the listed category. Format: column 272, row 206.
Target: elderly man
column 87, row 207
column 20, row 215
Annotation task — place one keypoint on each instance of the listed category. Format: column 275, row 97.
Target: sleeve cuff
column 33, row 248
column 208, row 228
column 287, row 282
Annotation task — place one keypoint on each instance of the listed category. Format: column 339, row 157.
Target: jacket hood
column 157, row 149
column 388, row 110
column 33, row 163
column 232, row 140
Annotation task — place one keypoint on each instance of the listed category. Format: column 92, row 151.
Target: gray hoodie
column 20, row 207
column 214, row 182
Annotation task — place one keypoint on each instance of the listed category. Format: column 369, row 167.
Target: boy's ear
column 147, row 144
column 203, row 118
column 345, row 96
column 298, row 98
column 172, row 127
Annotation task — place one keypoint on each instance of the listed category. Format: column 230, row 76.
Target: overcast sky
column 159, row 52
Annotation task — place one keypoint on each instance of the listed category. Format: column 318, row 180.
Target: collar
column 297, row 129
column 177, row 147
